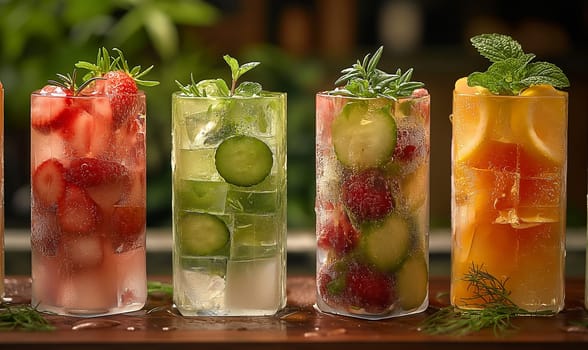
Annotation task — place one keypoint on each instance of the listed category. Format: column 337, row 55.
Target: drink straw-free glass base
column 372, row 205
column 229, row 204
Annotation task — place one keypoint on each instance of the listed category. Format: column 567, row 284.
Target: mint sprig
column 364, row 79
column 512, row 70
column 219, row 88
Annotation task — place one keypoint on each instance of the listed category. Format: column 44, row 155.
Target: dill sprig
column 22, row 317
column 495, row 308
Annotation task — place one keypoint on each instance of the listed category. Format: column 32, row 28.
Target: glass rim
column 562, row 94
column 326, row 94
column 264, row 95
column 38, row 93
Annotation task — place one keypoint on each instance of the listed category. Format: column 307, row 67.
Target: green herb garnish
column 512, row 70
column 489, row 293
column 68, row 82
column 156, row 287
column 364, row 79
column 219, row 88
column 22, row 317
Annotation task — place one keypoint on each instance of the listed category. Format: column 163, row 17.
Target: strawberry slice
column 48, row 183
column 89, row 171
column 51, row 113
column 87, row 134
column 128, row 225
column 77, row 212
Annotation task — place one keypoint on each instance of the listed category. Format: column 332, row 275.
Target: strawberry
column 77, row 213
column 86, row 134
column 122, row 91
column 128, row 224
column 367, row 195
column 352, row 285
column 50, row 113
column 411, row 146
column 88, row 171
column 338, row 233
column 368, row 288
column 119, row 82
column 48, row 183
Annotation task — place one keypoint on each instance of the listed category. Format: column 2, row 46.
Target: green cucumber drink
column 372, row 201
column 229, row 197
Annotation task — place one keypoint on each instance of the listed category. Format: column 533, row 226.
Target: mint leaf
column 512, row 70
column 545, row 73
column 219, row 88
column 497, row 47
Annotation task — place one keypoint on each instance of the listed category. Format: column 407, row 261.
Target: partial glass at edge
column 229, row 252
column 509, row 163
column 1, row 190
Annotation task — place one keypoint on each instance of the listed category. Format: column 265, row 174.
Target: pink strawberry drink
column 372, row 178
column 88, row 200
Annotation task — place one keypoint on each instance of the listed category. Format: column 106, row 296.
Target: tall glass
column 229, row 204
column 372, row 205
column 87, row 204
column 509, row 159
column 1, row 190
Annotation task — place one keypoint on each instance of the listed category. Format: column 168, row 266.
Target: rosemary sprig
column 490, row 295
column 22, row 317
column 364, row 79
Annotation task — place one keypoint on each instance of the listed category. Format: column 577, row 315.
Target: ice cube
column 84, row 252
column 202, row 195
column 254, row 286
column 88, row 292
column 200, row 290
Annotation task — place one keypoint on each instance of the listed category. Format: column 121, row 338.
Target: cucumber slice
column 202, row 234
column 243, row 160
column 362, row 137
column 412, row 282
column 386, row 243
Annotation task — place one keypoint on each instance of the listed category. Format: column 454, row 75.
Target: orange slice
column 540, row 122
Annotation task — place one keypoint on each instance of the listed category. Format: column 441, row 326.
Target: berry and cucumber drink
column 229, row 197
column 509, row 160
column 88, row 192
column 372, row 194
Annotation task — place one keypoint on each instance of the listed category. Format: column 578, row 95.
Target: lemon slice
column 540, row 122
column 470, row 119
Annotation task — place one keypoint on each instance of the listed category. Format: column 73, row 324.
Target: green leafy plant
column 364, row 79
column 495, row 308
column 512, row 70
column 219, row 88
column 68, row 82
column 22, row 317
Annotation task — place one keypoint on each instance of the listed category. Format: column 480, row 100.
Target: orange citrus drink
column 509, row 161
column 1, row 190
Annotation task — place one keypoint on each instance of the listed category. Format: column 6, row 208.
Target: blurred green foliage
column 39, row 38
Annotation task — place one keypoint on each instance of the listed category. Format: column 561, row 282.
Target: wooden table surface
column 298, row 326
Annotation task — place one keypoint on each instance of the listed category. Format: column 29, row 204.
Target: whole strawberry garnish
column 118, row 81
column 367, row 195
column 338, row 233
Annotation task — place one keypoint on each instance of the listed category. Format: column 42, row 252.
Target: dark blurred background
column 302, row 45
